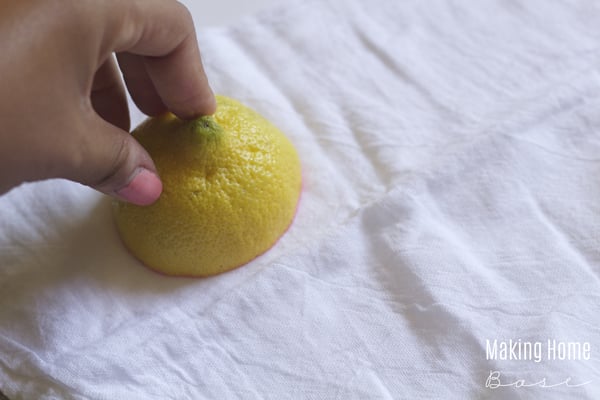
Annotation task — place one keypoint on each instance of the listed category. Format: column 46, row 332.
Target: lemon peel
column 231, row 184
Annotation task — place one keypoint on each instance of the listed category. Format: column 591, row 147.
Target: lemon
column 231, row 183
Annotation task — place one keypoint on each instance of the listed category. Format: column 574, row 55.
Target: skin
column 63, row 109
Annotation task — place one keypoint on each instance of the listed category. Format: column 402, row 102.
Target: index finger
column 162, row 32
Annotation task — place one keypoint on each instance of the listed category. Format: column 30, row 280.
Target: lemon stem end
column 206, row 128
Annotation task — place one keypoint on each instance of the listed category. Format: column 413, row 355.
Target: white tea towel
column 446, row 244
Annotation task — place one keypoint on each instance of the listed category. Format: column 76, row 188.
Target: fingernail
column 143, row 189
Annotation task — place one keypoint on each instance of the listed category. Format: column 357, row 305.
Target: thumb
column 114, row 163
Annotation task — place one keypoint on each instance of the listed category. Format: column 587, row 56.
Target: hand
column 63, row 110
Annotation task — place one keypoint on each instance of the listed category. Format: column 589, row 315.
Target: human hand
column 63, row 108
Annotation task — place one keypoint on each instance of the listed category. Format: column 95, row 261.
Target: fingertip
column 209, row 106
column 143, row 189
column 198, row 106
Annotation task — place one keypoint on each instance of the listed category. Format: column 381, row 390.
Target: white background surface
column 224, row 12
column 450, row 160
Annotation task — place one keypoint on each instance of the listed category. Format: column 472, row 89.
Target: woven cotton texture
column 451, row 164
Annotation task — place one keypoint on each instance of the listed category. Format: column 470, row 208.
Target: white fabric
column 451, row 198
